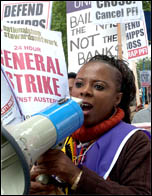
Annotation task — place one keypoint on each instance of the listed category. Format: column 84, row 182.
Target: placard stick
column 138, row 102
column 119, row 41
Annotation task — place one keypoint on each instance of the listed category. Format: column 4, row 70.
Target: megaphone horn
column 24, row 143
column 14, row 164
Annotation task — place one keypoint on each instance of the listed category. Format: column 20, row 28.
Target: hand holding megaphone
column 25, row 142
column 53, row 162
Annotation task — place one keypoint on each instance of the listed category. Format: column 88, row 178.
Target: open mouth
column 86, row 106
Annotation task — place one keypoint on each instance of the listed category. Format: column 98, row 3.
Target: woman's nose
column 86, row 91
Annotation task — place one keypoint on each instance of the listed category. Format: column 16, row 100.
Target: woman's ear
column 118, row 98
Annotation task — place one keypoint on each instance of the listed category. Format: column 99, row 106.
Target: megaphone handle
column 43, row 178
column 46, row 179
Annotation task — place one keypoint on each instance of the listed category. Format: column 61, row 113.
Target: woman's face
column 96, row 85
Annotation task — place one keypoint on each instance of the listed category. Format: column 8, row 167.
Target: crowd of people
column 107, row 155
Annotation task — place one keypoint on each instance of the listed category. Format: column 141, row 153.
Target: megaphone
column 22, row 144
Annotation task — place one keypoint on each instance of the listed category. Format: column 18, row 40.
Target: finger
column 50, row 155
column 34, row 174
column 40, row 187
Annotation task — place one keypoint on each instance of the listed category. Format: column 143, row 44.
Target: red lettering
column 28, row 61
column 39, row 82
column 7, row 58
column 24, row 99
column 7, row 106
column 2, row 59
column 39, row 62
column 30, row 85
column 58, row 67
column 18, row 60
column 56, row 87
column 34, row 83
column 18, row 81
column 46, row 84
column 50, row 65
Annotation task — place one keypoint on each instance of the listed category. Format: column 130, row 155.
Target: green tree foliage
column 146, row 5
column 59, row 22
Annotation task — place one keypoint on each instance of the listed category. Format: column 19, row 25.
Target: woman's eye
column 99, row 87
column 78, row 84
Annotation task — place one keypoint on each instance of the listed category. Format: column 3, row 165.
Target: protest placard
column 10, row 109
column 145, row 78
column 34, row 13
column 86, row 39
column 34, row 62
column 107, row 12
column 137, row 40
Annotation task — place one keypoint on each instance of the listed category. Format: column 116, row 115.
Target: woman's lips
column 86, row 107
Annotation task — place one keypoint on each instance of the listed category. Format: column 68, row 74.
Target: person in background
column 107, row 155
column 71, row 78
column 143, row 115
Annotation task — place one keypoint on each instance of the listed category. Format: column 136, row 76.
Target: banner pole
column 119, row 41
column 134, row 69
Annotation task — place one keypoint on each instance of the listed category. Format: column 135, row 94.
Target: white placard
column 34, row 62
column 137, row 40
column 33, row 13
column 10, row 109
column 107, row 12
column 145, row 78
column 86, row 39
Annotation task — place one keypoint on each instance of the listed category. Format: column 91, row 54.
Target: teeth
column 85, row 105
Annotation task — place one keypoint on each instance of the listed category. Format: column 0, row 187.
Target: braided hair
column 125, row 81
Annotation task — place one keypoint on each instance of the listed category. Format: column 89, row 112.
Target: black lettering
column 138, row 42
column 73, row 20
column 19, row 9
column 81, row 59
column 121, row 2
column 89, row 56
column 84, row 43
column 22, row 21
column 7, row 11
column 39, row 9
column 137, row 33
column 24, row 10
column 13, row 10
column 42, row 23
column 134, row 44
column 141, row 32
column 129, row 45
column 31, row 9
column 114, row 3
column 28, row 22
column 108, row 51
column 35, row 23
column 99, row 4
column 96, row 52
column 76, row 45
column 107, row 3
